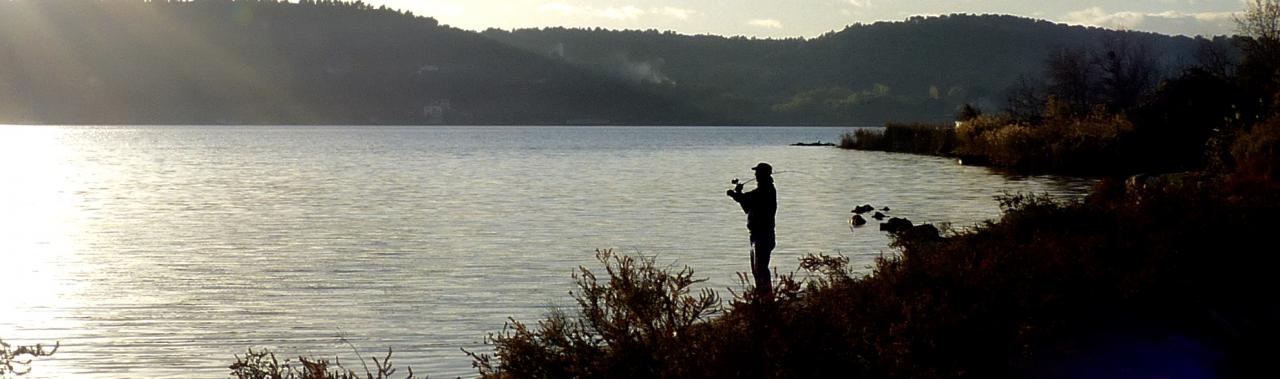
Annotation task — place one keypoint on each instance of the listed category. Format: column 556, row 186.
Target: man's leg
column 761, row 249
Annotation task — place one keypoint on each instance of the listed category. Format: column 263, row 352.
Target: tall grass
column 918, row 138
column 1095, row 143
column 1098, row 143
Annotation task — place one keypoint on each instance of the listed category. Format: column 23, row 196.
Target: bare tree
column 1071, row 79
column 1260, row 20
column 1260, row 23
column 1260, row 27
column 1128, row 70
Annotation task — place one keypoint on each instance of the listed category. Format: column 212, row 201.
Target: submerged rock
column 863, row 209
column 857, row 220
column 879, row 216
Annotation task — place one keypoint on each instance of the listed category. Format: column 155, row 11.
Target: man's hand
column 729, row 192
column 738, row 187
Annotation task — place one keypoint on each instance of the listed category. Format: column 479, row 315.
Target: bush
column 263, row 364
column 931, row 139
column 1094, row 144
column 863, row 139
column 1257, row 151
column 642, row 322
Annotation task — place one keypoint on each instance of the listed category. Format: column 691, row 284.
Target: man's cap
column 764, row 168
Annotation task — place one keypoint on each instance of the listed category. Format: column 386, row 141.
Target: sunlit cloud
column 676, row 13
column 767, row 23
column 558, row 7
column 433, row 8
column 1169, row 22
column 860, row 3
column 620, row 13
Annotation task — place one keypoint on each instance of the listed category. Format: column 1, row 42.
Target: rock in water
column 863, row 209
column 878, row 216
column 923, row 233
column 857, row 220
column 896, row 225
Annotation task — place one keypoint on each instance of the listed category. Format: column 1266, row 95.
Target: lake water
column 164, row 251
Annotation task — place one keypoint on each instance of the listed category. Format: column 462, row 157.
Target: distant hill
column 332, row 62
column 267, row 62
column 921, row 69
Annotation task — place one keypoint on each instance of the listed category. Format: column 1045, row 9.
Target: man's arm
column 745, row 199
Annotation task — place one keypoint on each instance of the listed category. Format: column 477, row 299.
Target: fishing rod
column 736, row 181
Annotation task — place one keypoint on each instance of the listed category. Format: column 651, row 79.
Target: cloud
column 434, row 8
column 861, row 3
column 1171, row 22
column 558, row 7
column 620, row 13
column 768, row 23
column 676, row 13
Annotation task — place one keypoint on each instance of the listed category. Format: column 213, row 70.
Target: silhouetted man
column 760, row 205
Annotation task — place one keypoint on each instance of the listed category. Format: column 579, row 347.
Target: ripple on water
column 163, row 251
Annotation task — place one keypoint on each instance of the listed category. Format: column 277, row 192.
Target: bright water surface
column 164, row 251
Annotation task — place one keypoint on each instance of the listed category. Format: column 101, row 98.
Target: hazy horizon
column 764, row 19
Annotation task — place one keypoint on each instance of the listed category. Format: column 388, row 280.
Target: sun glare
column 39, row 227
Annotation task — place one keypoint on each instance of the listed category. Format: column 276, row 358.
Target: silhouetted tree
column 1128, row 71
column 968, row 112
column 1260, row 71
column 1025, row 100
column 1072, row 79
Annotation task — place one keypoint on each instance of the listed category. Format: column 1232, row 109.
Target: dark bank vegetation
column 1176, row 267
column 1113, row 110
column 917, row 138
column 263, row 364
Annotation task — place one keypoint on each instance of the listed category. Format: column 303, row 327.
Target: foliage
column 1257, row 151
column 642, row 322
column 263, row 364
column 1103, row 112
column 16, row 361
column 918, row 138
column 862, row 139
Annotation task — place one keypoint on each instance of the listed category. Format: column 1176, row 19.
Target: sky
column 810, row 18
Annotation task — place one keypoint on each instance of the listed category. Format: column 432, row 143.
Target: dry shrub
column 1257, row 151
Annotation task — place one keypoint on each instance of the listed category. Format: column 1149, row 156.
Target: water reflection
column 39, row 236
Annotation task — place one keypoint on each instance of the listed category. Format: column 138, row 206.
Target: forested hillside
column 921, row 69
column 334, row 62
column 268, row 62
